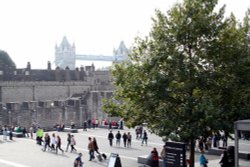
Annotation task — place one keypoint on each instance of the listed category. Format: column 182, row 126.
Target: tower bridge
column 65, row 55
column 95, row 57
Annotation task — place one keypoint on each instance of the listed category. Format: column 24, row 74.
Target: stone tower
column 65, row 55
column 121, row 53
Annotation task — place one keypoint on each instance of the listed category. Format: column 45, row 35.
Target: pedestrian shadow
column 56, row 154
column 126, row 148
column 74, row 152
column 7, row 141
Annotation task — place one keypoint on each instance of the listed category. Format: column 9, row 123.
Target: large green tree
column 188, row 73
column 231, row 69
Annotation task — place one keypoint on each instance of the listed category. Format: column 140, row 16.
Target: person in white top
column 53, row 142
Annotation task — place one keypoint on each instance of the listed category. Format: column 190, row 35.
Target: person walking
column 129, row 140
column 39, row 136
column 24, row 131
column 46, row 141
column 125, row 138
column 91, row 149
column 224, row 159
column 140, row 131
column 110, row 125
column 58, row 144
column 5, row 133
column 72, row 143
column 137, row 132
column 144, row 138
column 11, row 133
column 164, row 156
column 96, row 123
column 118, row 138
column 68, row 142
column 110, row 138
column 202, row 159
column 53, row 142
column 96, row 148
column 31, row 130
column 93, row 123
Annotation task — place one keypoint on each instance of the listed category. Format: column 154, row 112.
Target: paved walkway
column 24, row 152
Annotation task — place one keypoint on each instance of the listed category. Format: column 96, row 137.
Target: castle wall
column 37, row 91
column 28, row 101
column 46, row 115
column 11, row 93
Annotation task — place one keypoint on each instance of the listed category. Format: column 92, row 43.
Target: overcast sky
column 30, row 29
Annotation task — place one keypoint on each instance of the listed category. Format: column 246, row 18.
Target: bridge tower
column 65, row 55
column 121, row 53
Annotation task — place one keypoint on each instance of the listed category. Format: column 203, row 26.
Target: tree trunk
column 191, row 156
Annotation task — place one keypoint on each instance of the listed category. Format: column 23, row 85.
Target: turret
column 65, row 55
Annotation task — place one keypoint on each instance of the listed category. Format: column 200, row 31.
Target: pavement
column 24, row 152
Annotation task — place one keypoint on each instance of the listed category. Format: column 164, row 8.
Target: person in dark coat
column 125, row 138
column 96, row 148
column 144, row 138
column 110, row 138
column 224, row 159
column 118, row 138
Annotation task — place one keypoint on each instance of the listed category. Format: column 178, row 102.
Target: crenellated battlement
column 78, row 108
column 58, row 74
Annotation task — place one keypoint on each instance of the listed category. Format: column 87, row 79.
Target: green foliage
column 5, row 59
column 190, row 76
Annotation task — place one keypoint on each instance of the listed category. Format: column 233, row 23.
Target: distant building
column 121, row 53
column 65, row 56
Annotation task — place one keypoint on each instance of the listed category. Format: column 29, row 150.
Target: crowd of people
column 52, row 142
column 7, row 131
column 126, row 137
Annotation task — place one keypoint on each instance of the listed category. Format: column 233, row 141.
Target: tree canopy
column 5, row 59
column 189, row 77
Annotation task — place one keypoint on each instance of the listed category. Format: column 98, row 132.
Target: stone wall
column 48, row 113
column 27, row 96
column 36, row 91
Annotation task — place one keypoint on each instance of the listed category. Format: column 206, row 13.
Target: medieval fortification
column 47, row 97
